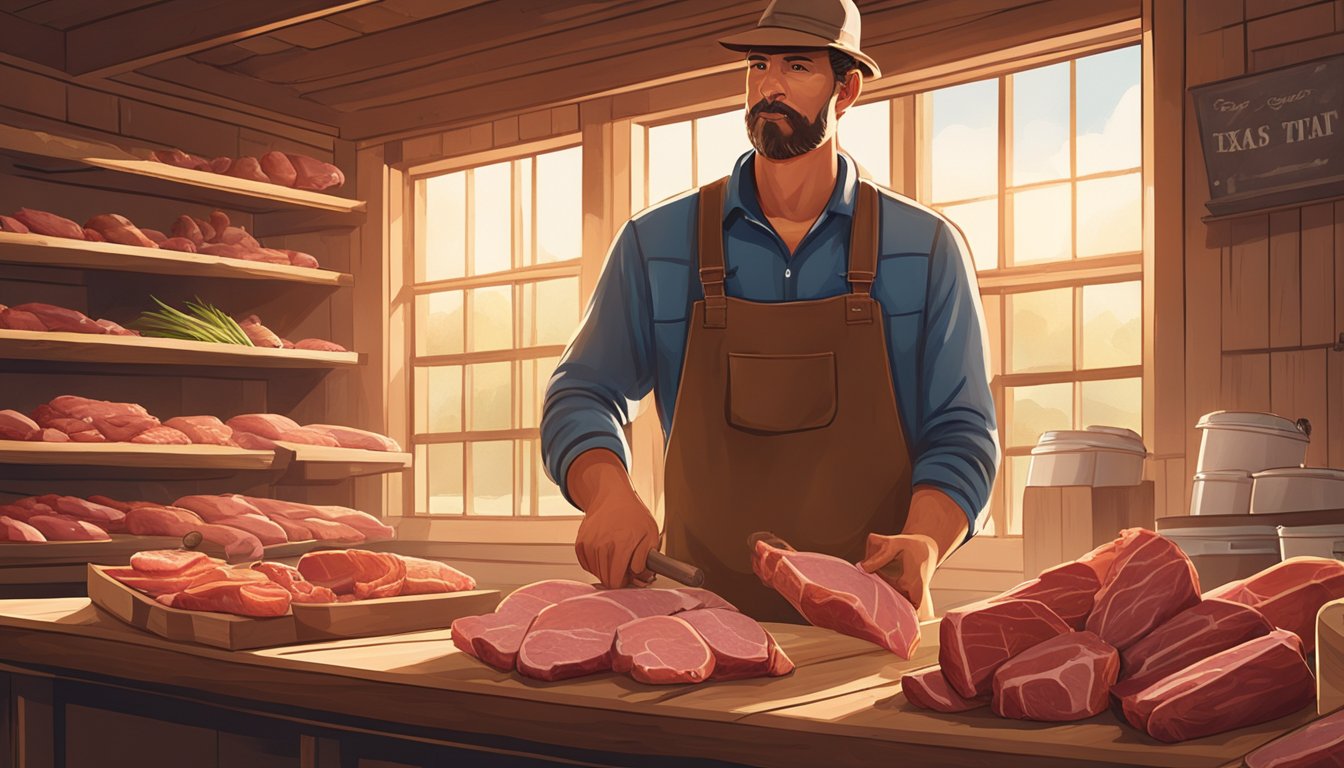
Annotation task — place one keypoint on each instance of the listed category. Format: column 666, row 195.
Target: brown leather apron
column 785, row 421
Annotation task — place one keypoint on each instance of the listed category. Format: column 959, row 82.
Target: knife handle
column 684, row 573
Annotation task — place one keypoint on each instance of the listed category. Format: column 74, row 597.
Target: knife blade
column 674, row 569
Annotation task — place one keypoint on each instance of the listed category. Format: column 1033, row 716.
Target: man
column 815, row 347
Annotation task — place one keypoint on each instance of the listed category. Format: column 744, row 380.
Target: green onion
column 204, row 323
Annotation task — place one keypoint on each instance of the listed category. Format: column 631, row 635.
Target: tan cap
column 807, row 24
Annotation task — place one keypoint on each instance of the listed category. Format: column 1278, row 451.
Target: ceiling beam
column 176, row 28
column 31, row 42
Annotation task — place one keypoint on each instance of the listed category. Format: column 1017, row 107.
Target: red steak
column 266, row 531
column 63, row 528
column 16, row 426
column 12, row 529
column 1066, row 589
column 1150, row 581
column 977, row 639
column 355, row 571
column 1067, row 677
column 494, row 637
column 661, row 650
column 349, row 437
column 1319, row 745
column 1191, row 635
column 300, row 589
column 369, row 526
column 268, row 425
column 929, row 689
column 62, row 319
column 213, row 509
column 202, row 430
column 838, row 595
column 430, row 576
column 1290, row 593
column 741, row 647
column 1255, row 682
column 244, row 598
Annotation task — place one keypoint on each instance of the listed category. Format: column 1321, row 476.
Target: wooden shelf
column 86, row 163
column 44, row 251
column 288, row 463
column 88, row 348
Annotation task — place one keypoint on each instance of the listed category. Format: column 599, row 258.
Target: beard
column 771, row 139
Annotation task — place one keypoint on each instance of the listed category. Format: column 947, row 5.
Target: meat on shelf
column 287, row 169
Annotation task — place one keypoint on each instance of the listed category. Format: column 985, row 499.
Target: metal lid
column 1255, row 420
column 1117, row 431
column 1315, row 473
column 1090, row 439
column 1224, row 476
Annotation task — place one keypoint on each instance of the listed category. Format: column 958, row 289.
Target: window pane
column 1109, row 111
column 443, row 396
column 1041, row 219
column 560, row 205
column 525, row 213
column 1041, row 124
column 865, row 133
column 527, row 455
column 979, row 222
column 550, row 502
column 492, row 478
column 491, row 396
column 1114, row 403
column 491, row 324
column 1042, row 330
column 719, row 141
column 965, row 141
column 438, row 324
column 669, row 155
column 445, row 227
column 1038, row 409
column 1017, row 467
column 1112, row 325
column 536, row 376
column 444, row 468
column 492, row 229
column 1110, row 218
column 557, row 310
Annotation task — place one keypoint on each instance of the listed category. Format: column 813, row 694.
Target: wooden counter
column 843, row 706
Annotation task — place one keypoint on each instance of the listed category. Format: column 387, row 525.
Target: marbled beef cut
column 1067, row 677
column 494, row 637
column 1150, row 581
column 975, row 640
column 929, row 689
column 1191, row 635
column 1290, row 593
column 661, row 650
column 741, row 647
column 1067, row 589
column 1319, row 745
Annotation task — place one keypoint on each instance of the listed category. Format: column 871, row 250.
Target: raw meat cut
column 44, row 223
column 278, row 168
column 162, row 521
column 202, row 430
column 161, row 435
column 11, row 224
column 661, row 650
column 237, row 544
column 62, row 528
column 1191, row 635
column 244, row 598
column 742, row 648
column 17, row 530
column 1067, row 677
column 113, row 329
column 305, row 436
column 369, row 526
column 290, row 510
column 212, row 509
column 181, row 244
column 301, row 259
column 355, row 571
column 349, row 437
column 1290, row 593
column 119, row 229
column 314, row 174
column 61, row 319
column 425, row 577
column 125, row 427
column 268, row 425
column 494, row 637
column 159, row 572
column 258, row 334
column 94, row 236
column 705, row 598
column 227, row 234
column 107, row 518
column 181, row 159
column 186, row 228
column 295, row 530
column 1319, row 745
column 53, row 436
column 1255, row 682
column 977, row 639
column 1066, row 589
column 154, row 234
column 248, row 168
column 574, row 638
column 252, row 442
column 322, row 345
column 1150, row 581
column 124, row 506
column 169, row 560
column 300, row 589
column 929, row 689
column 266, row 531
column 16, row 426
column 326, row 530
column 221, row 164
column 16, row 320
column 834, row 594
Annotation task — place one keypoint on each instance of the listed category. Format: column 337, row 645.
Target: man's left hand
column 906, row 562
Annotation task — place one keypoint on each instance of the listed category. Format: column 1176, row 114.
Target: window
column 1040, row 169
column 496, row 301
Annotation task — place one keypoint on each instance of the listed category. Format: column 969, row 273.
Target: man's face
column 790, row 100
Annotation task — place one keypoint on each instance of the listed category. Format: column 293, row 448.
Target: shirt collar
column 741, row 193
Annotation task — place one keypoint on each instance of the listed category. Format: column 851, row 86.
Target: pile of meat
column 838, row 595
column 192, row 581
column 288, row 169
column 215, row 237
column 35, row 316
column 239, row 525
column 555, row 630
column 1126, row 625
column 83, row 420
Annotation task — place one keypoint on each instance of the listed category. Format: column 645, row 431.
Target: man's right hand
column 618, row 531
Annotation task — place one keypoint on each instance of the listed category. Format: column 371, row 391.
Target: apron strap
column 863, row 240
column 711, row 253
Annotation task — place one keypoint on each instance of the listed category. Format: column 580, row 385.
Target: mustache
column 775, row 106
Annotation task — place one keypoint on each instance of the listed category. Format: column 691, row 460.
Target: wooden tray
column 118, row 551
column 389, row 615
column 221, row 630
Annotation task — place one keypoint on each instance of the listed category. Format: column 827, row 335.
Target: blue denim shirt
column 633, row 337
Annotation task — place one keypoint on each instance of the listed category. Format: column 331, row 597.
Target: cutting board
column 305, row 622
column 1330, row 657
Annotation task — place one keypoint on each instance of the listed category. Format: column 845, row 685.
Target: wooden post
column 34, row 719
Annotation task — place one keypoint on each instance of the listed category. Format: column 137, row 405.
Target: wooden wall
column 1264, row 293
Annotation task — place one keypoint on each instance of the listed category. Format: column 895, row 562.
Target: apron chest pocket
column 776, row 394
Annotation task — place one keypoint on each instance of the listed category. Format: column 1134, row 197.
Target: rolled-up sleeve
column 956, row 446
column 606, row 369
